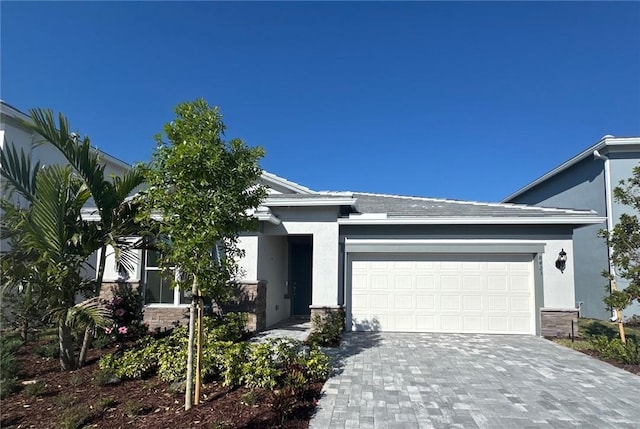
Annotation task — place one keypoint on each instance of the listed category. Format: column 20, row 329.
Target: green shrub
column 108, row 402
column 48, row 350
column 8, row 365
column 8, row 386
column 614, row 349
column 132, row 409
column 106, row 376
column 327, row 330
column 74, row 417
column 127, row 312
column 233, row 359
column 35, row 389
column 10, row 343
column 270, row 364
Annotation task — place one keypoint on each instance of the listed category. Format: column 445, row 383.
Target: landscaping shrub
column 127, row 312
column 274, row 363
column 48, row 350
column 327, row 330
column 8, row 365
column 74, row 417
column 615, row 349
column 35, row 389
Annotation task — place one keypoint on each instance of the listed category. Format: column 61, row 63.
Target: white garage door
column 457, row 293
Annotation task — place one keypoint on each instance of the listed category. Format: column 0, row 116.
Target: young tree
column 203, row 191
column 624, row 241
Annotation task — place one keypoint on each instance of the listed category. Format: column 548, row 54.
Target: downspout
column 609, row 202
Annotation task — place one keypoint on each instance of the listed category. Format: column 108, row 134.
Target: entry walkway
column 424, row 381
column 294, row 328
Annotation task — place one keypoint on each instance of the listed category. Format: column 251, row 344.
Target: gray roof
column 401, row 206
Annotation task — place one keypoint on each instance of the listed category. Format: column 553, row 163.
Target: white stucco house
column 392, row 263
column 397, row 263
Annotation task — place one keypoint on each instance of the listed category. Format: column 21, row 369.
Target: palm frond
column 19, row 174
column 78, row 152
column 91, row 312
column 55, row 210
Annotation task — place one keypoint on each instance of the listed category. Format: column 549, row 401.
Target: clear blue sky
column 455, row 100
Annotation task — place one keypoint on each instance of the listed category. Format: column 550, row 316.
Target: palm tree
column 54, row 244
column 52, row 225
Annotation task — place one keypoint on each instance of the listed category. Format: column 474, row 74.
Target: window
column 157, row 286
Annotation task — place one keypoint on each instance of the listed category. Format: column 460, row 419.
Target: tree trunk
column 188, row 394
column 199, row 350
column 100, row 273
column 65, row 337
column 86, row 343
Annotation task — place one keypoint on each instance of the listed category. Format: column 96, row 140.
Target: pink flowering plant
column 127, row 314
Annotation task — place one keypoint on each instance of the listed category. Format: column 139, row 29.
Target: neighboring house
column 396, row 263
column 586, row 181
column 14, row 132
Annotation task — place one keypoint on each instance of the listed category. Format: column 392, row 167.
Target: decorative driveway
column 391, row 380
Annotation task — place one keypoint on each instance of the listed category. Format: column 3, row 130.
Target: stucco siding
column 272, row 269
column 580, row 187
column 622, row 164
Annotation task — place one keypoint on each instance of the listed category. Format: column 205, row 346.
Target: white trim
column 268, row 217
column 600, row 145
column 436, row 241
column 296, row 187
column 569, row 220
column 309, row 202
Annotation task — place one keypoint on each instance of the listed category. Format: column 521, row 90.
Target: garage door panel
column 425, row 282
column 472, row 303
column 403, row 281
column 425, row 302
column 448, row 282
column 479, row 293
column 471, row 283
column 450, row 303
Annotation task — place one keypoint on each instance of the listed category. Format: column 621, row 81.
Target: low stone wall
column 165, row 317
column 252, row 299
column 556, row 322
column 324, row 311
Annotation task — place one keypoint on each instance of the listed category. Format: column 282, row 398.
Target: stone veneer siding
column 252, row 299
column 556, row 322
column 324, row 311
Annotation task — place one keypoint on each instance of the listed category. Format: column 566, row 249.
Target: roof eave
column 546, row 220
column 606, row 141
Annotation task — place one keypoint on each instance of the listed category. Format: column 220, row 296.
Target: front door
column 300, row 264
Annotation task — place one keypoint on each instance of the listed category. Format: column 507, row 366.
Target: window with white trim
column 157, row 285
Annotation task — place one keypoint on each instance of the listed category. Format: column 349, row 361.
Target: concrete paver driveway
column 473, row 381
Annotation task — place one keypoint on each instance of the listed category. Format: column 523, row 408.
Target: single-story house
column 396, row 263
column 586, row 181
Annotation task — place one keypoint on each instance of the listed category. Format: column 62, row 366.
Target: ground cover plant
column 601, row 340
column 248, row 385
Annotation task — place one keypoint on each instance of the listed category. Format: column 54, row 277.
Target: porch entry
column 300, row 273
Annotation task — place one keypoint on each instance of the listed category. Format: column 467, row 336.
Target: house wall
column 272, row 269
column 582, row 186
column 248, row 265
column 111, row 269
column 321, row 223
column 621, row 165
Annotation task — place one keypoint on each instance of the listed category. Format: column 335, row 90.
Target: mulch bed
column 634, row 369
column 139, row 403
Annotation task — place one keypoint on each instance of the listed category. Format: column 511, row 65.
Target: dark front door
column 300, row 263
